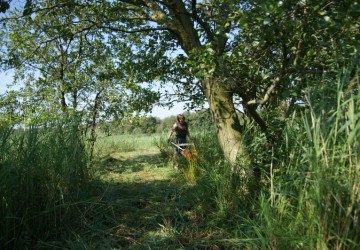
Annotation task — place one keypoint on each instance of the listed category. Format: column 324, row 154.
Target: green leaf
column 267, row 21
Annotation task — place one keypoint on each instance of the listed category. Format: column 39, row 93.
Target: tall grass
column 314, row 200
column 39, row 169
column 310, row 199
column 310, row 196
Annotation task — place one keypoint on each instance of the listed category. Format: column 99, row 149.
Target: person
column 181, row 130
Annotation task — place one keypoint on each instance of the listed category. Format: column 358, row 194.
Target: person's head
column 180, row 118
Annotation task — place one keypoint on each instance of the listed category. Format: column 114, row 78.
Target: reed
column 309, row 197
column 314, row 200
column 40, row 168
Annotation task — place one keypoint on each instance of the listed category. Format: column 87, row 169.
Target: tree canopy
column 254, row 57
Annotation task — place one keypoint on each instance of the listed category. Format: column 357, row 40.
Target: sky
column 5, row 79
column 160, row 112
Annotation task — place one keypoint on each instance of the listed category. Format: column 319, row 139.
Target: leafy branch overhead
column 254, row 56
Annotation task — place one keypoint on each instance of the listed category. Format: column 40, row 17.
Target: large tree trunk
column 225, row 118
column 181, row 25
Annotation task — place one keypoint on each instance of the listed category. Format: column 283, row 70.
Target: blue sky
column 161, row 112
column 5, row 79
column 165, row 112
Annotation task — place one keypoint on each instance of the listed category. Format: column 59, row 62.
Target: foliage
column 68, row 66
column 310, row 198
column 307, row 194
column 254, row 52
column 41, row 169
column 198, row 121
column 275, row 61
column 4, row 6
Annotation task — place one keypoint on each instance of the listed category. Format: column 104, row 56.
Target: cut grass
column 137, row 201
column 135, row 166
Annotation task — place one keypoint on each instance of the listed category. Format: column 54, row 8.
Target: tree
column 255, row 53
column 258, row 52
column 71, row 68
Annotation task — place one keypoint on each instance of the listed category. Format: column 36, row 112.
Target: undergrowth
column 40, row 170
column 306, row 193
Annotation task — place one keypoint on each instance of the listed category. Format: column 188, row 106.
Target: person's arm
column 170, row 134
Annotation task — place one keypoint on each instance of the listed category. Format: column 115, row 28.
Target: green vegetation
column 277, row 167
column 306, row 197
column 41, row 171
column 256, row 57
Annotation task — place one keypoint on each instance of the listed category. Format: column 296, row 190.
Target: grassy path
column 137, row 204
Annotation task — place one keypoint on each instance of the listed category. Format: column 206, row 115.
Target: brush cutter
column 185, row 150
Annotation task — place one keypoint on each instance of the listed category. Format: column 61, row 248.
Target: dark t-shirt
column 181, row 130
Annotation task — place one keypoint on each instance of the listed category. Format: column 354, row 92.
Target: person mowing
column 181, row 130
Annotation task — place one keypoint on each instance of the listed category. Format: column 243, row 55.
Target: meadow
column 129, row 196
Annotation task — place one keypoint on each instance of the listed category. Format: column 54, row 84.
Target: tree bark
column 224, row 115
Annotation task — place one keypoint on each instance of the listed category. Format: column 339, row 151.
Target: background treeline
column 198, row 121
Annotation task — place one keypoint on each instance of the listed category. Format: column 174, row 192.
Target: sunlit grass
column 124, row 143
column 313, row 203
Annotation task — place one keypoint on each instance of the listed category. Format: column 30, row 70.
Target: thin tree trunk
column 93, row 124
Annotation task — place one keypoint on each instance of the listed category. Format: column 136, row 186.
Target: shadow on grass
column 134, row 164
column 143, row 215
column 157, row 213
column 162, row 212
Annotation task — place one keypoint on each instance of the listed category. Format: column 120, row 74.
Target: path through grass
column 137, row 202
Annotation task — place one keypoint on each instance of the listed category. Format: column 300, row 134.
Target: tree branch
column 267, row 94
column 251, row 110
